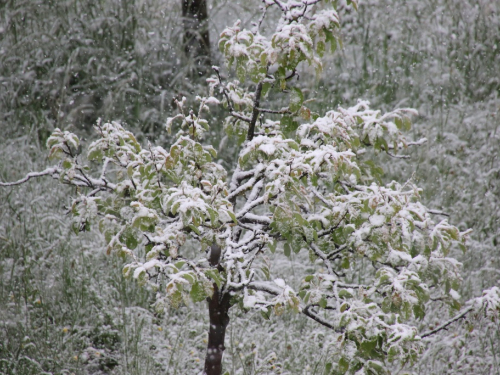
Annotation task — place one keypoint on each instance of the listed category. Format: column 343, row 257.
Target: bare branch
column 261, row 19
column 397, row 156
column 311, row 314
column 447, row 323
column 437, row 212
column 293, row 74
column 338, row 251
column 281, row 111
column 229, row 102
column 416, row 143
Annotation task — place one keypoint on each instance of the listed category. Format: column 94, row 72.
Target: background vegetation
column 66, row 63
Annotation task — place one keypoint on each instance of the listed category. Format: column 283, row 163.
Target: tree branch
column 241, row 117
column 255, row 112
column 255, row 219
column 397, row 156
column 274, row 290
column 437, row 212
column 249, row 207
column 447, row 323
column 323, row 256
column 46, row 172
column 280, row 112
column 306, row 311
column 229, row 103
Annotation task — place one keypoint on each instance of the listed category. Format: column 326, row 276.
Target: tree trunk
column 196, row 36
column 218, row 308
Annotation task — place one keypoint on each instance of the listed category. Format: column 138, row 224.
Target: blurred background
column 64, row 306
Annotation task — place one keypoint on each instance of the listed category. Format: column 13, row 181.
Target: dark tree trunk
column 196, row 36
column 218, row 308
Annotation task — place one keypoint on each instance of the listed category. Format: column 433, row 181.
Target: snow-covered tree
column 305, row 185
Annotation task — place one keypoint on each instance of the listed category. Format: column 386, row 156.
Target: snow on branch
column 47, row 172
column 489, row 303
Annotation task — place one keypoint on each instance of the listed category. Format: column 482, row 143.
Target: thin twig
column 398, row 156
column 437, row 212
column 280, row 112
column 446, row 324
column 306, row 311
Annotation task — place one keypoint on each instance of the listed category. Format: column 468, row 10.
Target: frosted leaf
column 269, row 149
column 454, row 294
column 138, row 271
column 249, row 301
column 280, row 282
column 377, row 220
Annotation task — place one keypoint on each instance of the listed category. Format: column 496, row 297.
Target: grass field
column 64, row 305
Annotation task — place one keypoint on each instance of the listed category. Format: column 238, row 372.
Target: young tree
column 303, row 183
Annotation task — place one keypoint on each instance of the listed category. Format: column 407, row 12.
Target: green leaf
column 240, row 72
column 190, row 278
column 368, row 346
column 232, row 216
column 95, row 154
column 265, row 89
column 213, row 216
column 320, row 48
column 197, row 293
column 128, row 237
column 266, row 314
column 406, row 124
column 75, row 228
column 399, row 123
column 67, row 164
column 287, row 249
column 418, row 311
column 345, row 263
column 281, row 73
column 344, row 294
column 179, row 264
column 354, row 3
column 328, row 368
column 288, row 124
column 272, row 246
column 215, row 276
column 296, row 99
column 347, row 230
column 343, row 365
column 322, row 302
column 194, row 229
column 333, row 45
column 266, row 272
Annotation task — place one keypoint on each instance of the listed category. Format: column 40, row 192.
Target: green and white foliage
column 304, row 184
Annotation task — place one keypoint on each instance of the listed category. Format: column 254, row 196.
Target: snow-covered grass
column 70, row 62
column 64, row 305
